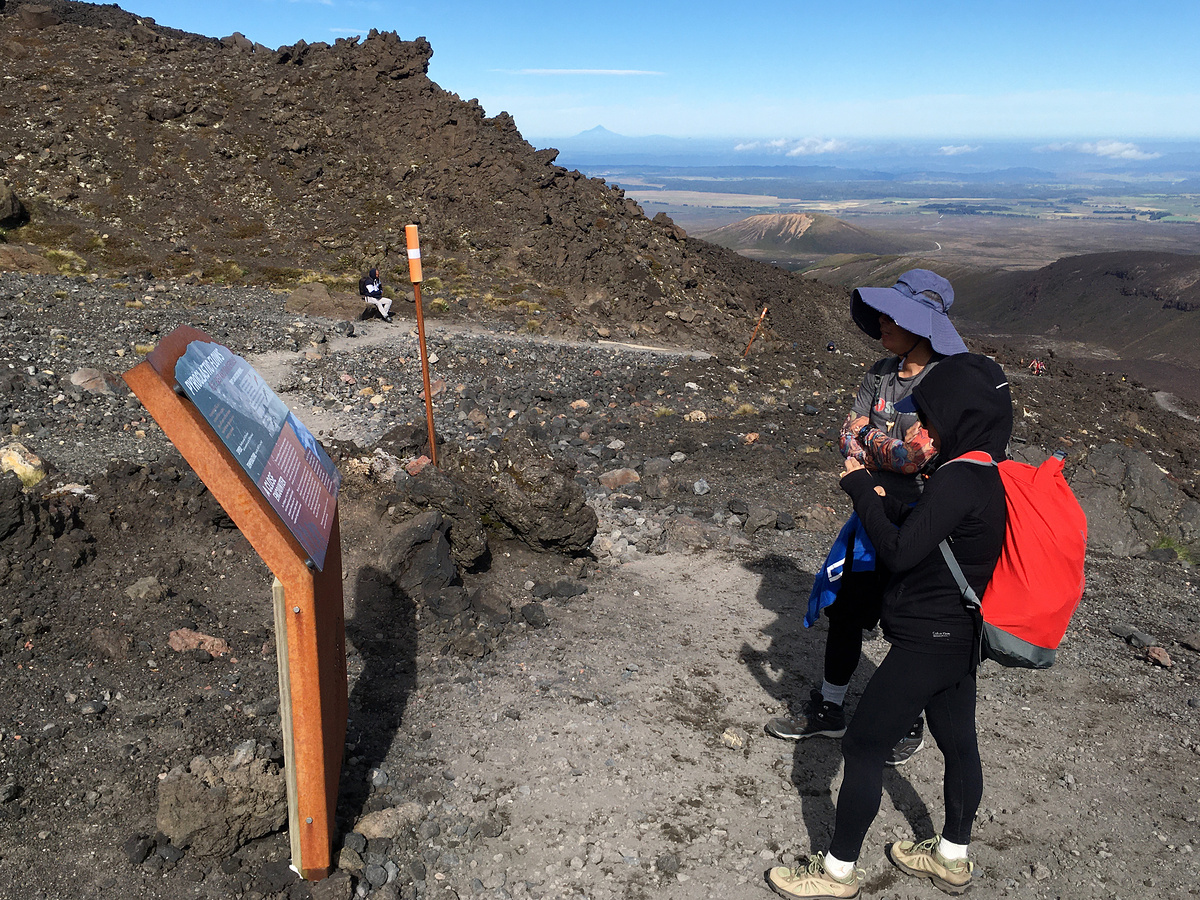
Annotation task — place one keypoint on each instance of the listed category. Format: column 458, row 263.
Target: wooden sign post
column 310, row 629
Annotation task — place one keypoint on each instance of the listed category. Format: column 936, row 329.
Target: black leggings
column 858, row 605
column 904, row 684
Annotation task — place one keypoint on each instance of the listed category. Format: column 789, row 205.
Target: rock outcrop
column 1132, row 505
column 222, row 160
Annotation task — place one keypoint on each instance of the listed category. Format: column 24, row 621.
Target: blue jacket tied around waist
column 851, row 539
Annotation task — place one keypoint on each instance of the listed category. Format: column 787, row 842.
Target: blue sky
column 810, row 76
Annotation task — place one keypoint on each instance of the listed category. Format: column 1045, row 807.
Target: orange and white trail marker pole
column 754, row 334
column 414, row 274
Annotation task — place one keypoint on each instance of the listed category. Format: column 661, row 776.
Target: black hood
column 965, row 397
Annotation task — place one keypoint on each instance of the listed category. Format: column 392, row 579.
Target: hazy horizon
column 1150, row 159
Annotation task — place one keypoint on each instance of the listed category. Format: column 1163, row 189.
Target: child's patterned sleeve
column 906, row 456
column 848, row 443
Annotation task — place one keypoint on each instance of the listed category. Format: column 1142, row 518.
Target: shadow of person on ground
column 791, row 666
column 382, row 629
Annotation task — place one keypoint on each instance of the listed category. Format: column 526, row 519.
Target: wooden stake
column 414, row 274
column 279, row 603
column 755, row 333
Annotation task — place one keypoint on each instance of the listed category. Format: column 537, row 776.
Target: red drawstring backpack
column 1038, row 581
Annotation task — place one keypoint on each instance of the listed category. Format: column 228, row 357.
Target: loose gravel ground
column 610, row 747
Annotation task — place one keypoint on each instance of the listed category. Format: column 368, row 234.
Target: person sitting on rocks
column 370, row 288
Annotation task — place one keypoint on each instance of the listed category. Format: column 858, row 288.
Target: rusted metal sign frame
column 312, row 643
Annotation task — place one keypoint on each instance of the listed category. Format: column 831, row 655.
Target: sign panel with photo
column 278, row 452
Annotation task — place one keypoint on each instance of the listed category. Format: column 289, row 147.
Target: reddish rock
column 619, row 478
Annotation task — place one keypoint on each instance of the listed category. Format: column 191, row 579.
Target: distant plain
column 971, row 239
column 1028, row 234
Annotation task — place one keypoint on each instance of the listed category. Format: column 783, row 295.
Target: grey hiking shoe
column 821, row 719
column 923, row 860
column 908, row 745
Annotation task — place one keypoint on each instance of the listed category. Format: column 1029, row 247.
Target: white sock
column 950, row 850
column 836, row 867
column 834, row 693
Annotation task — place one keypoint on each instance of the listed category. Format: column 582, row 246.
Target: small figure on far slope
column 370, row 288
column 1037, row 367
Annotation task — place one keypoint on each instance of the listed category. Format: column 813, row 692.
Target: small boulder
column 418, row 558
column 183, row 640
column 215, row 806
column 95, row 381
column 619, row 478
column 26, row 465
column 12, row 211
column 529, row 492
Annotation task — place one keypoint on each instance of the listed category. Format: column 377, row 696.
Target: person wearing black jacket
column 370, row 288
column 964, row 403
column 911, row 320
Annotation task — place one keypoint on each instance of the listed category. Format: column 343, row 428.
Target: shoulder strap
column 978, row 457
column 968, row 592
column 876, row 373
column 878, row 370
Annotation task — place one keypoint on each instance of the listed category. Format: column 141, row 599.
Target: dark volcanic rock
column 12, row 513
column 12, row 210
column 433, row 488
column 500, row 220
column 1131, row 504
column 525, row 490
column 417, row 557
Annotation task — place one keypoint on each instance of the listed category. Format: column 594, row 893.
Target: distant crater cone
column 800, row 235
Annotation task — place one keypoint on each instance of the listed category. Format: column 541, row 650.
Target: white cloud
column 792, row 147
column 778, row 144
column 1105, row 149
column 957, row 150
column 817, row 146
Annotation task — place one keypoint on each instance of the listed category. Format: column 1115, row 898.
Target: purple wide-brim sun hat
column 918, row 302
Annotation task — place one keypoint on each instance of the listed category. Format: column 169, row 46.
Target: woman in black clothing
column 965, row 405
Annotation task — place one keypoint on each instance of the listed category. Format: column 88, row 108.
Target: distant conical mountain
column 600, row 132
column 801, row 236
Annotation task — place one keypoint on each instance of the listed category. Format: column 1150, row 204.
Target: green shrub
column 1168, row 543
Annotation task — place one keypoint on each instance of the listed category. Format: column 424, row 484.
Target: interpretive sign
column 261, row 447
column 278, row 452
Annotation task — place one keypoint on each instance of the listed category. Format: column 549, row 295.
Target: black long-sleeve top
column 922, row 606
